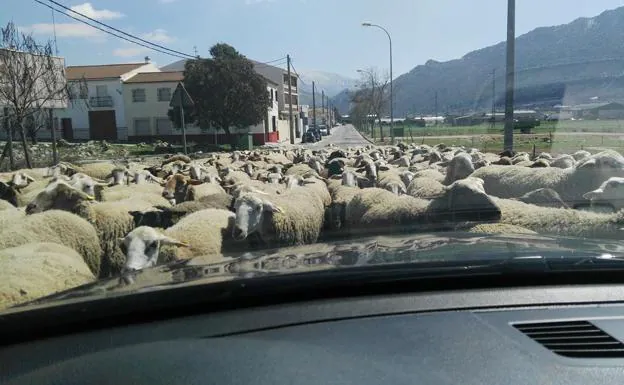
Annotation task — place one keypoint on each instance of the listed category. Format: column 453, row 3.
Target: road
column 342, row 136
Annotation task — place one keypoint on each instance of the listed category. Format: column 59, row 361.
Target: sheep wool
column 58, row 227
column 36, row 270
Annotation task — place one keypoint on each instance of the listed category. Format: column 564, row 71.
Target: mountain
column 566, row 64
column 330, row 82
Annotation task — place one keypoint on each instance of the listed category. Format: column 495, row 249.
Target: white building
column 97, row 110
column 146, row 98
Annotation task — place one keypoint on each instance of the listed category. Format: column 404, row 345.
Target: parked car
column 323, row 130
column 308, row 137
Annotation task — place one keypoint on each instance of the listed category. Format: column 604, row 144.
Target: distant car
column 323, row 130
column 308, row 137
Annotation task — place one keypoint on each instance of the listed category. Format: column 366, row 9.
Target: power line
column 296, row 74
column 178, row 54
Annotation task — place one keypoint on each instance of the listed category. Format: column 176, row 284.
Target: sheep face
column 251, row 212
column 395, row 188
column 21, row 180
column 459, row 168
column 142, row 246
column 195, row 171
column 177, row 188
column 611, row 191
column 465, row 200
column 119, row 176
column 349, row 178
column 58, row 195
column 8, row 193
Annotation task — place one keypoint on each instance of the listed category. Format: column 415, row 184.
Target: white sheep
column 459, row 167
column 563, row 161
column 570, row 184
column 199, row 234
column 425, row 188
column 35, row 270
column 54, row 226
column 610, row 192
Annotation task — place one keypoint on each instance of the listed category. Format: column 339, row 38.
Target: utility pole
column 313, row 105
column 510, row 76
column 436, row 104
column 290, row 111
column 53, row 131
column 493, row 98
column 323, row 106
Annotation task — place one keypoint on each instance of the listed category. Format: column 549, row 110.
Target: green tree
column 226, row 92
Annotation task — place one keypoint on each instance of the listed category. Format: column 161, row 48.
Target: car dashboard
column 558, row 334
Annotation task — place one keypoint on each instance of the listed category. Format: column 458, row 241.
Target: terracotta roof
column 156, row 77
column 107, row 71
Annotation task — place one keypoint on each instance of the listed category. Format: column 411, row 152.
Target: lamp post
column 372, row 128
column 391, row 93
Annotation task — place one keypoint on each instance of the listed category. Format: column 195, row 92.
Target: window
column 163, row 126
column 164, row 94
column 138, row 95
column 101, row 91
column 142, row 127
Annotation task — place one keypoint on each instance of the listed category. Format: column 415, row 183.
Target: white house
column 146, row 99
column 97, row 109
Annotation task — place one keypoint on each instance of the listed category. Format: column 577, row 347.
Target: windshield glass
column 146, row 144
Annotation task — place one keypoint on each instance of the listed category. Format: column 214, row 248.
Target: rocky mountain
column 568, row 64
column 331, row 83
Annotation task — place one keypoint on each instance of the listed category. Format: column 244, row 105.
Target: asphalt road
column 342, row 136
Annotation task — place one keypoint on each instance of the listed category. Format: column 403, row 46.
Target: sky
column 321, row 35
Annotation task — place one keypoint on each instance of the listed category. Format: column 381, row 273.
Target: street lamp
column 391, row 93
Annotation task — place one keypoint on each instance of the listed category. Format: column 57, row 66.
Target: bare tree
column 377, row 95
column 31, row 79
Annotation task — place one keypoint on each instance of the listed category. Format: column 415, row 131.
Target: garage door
column 142, row 127
column 163, row 126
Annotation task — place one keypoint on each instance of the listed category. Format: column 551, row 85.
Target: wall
column 283, row 127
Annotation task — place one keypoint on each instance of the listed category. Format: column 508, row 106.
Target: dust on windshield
column 129, row 146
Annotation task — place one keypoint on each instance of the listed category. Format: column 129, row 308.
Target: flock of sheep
column 68, row 225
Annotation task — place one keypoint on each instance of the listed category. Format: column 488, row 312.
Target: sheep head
column 119, row 176
column 8, row 193
column 251, row 212
column 464, row 200
column 142, row 246
column 58, row 195
column 610, row 191
column 21, row 179
column 177, row 188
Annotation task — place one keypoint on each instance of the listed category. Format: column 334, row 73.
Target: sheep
column 610, row 192
column 377, row 209
column 391, row 181
column 58, row 227
column 341, row 195
column 459, row 167
column 430, row 173
column 179, row 188
column 280, row 220
column 110, row 219
column 540, row 162
column 425, row 188
column 98, row 170
column 544, row 197
column 561, row 222
column 570, row 184
column 5, row 204
column 148, row 192
column 498, row 228
column 503, row 161
column 20, row 180
column 564, row 161
column 232, row 177
column 165, row 217
column 199, row 234
column 176, row 158
column 8, row 193
column 581, row 154
column 35, row 270
column 143, row 176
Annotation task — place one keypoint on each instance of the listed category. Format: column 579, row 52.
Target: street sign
column 181, row 97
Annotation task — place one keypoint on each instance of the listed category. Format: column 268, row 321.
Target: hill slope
column 561, row 64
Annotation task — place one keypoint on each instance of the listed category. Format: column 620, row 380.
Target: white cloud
column 158, row 36
column 130, row 51
column 63, row 30
column 97, row 14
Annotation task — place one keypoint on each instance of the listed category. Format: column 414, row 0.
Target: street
column 342, row 136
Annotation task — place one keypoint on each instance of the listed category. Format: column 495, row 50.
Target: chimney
column 147, row 59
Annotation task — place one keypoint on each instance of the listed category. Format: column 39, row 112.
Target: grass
column 553, row 137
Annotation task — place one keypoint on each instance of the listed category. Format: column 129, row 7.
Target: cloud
column 97, row 14
column 63, row 30
column 158, row 36
column 130, row 51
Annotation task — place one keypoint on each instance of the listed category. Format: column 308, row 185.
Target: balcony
column 101, row 101
column 293, row 88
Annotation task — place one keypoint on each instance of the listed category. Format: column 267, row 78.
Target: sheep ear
column 383, row 168
column 170, row 241
column 272, row 207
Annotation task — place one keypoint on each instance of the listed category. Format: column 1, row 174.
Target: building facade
column 96, row 111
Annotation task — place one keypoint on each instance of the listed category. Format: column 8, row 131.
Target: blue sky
column 320, row 35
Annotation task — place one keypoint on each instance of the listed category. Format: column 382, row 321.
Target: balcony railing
column 101, row 101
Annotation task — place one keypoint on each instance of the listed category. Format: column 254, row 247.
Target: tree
column 31, row 80
column 378, row 97
column 226, row 92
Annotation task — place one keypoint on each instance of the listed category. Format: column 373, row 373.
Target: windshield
column 151, row 143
